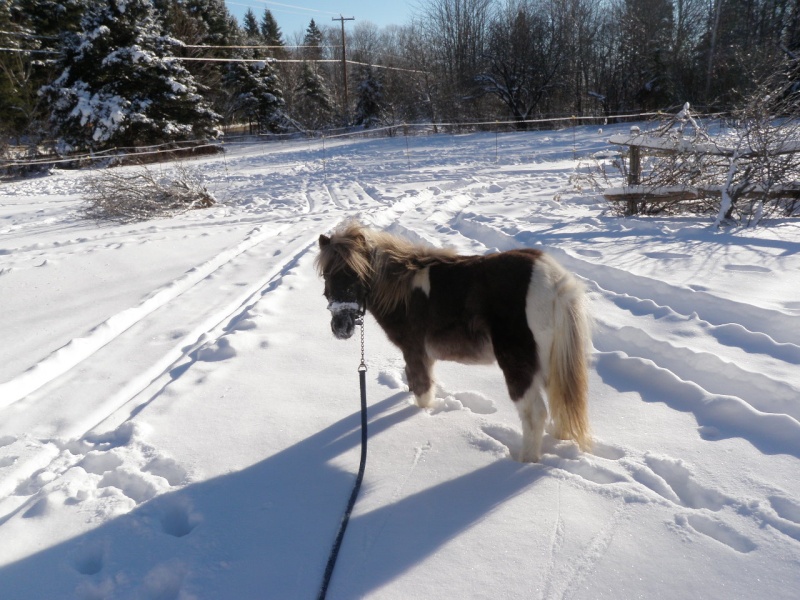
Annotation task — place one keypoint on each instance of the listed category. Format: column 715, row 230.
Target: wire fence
column 11, row 165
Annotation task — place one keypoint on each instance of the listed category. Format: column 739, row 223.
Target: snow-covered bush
column 125, row 195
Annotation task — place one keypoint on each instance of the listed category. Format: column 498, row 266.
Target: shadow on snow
column 266, row 531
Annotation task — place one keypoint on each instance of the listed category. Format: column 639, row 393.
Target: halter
column 335, row 307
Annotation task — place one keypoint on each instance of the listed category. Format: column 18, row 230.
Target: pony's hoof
column 426, row 399
column 527, row 456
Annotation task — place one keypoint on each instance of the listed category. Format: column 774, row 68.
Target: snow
column 177, row 420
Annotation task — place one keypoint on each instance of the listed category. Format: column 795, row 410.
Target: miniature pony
column 519, row 308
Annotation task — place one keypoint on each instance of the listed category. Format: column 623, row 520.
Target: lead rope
column 362, row 376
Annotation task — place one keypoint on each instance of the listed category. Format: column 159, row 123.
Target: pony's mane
column 384, row 263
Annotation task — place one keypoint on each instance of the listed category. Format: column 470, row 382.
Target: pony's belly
column 465, row 352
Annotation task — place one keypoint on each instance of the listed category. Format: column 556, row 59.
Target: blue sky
column 294, row 15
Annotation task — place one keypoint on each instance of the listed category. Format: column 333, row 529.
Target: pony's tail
column 568, row 379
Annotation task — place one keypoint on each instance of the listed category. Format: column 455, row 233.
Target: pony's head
column 344, row 264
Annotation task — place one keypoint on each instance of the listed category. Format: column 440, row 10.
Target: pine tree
column 370, row 99
column 15, row 66
column 270, row 30
column 52, row 17
column 255, row 95
column 204, row 22
column 120, row 84
column 312, row 42
column 29, row 30
column 313, row 106
column 250, row 24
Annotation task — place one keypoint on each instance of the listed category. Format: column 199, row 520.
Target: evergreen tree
column 29, row 31
column 370, row 99
column 250, row 24
column 312, row 42
column 15, row 67
column 255, row 95
column 204, row 22
column 270, row 30
column 313, row 105
column 51, row 17
column 120, row 84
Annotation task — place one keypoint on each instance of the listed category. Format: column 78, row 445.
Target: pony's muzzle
column 343, row 318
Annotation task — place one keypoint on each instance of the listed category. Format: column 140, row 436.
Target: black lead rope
column 362, row 376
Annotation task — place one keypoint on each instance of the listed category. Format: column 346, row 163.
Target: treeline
column 93, row 74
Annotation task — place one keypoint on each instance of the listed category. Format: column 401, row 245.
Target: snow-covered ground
column 177, row 420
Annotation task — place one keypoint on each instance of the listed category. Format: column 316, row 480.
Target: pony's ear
column 324, row 240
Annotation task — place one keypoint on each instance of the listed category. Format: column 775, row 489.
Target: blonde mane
column 384, row 263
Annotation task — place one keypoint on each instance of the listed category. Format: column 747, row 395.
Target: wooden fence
column 636, row 195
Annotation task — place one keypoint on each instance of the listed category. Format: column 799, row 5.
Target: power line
column 261, row 47
column 327, row 12
column 291, row 60
column 287, row 12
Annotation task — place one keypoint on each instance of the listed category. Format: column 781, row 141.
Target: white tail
column 568, row 376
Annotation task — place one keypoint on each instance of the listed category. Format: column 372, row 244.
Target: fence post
column 634, row 170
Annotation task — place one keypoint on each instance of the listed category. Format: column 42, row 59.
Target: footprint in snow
column 99, row 462
column 717, row 530
column 221, row 350
column 588, row 253
column 681, row 484
column 748, row 268
column 476, row 402
column 785, row 508
column 581, row 465
column 665, row 255
column 7, row 461
column 89, row 558
column 507, row 437
column 131, row 483
column 607, row 451
column 178, row 518
column 391, row 378
column 472, row 401
column 167, row 468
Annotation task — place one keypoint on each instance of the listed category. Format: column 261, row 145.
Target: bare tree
column 457, row 32
column 524, row 52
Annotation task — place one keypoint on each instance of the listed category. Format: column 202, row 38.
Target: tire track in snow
column 782, row 329
column 163, row 311
column 96, row 404
column 718, row 416
column 206, row 341
column 715, row 375
column 79, row 349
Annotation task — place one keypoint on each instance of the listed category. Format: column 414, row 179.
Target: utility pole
column 344, row 67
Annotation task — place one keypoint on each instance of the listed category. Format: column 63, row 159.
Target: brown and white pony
column 520, row 308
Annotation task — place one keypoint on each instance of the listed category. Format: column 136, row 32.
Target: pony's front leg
column 419, row 367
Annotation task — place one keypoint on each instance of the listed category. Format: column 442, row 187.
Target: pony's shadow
column 266, row 531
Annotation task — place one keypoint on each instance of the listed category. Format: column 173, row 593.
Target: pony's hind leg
column 533, row 414
column 419, row 369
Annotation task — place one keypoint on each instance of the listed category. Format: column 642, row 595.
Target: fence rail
column 637, row 196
